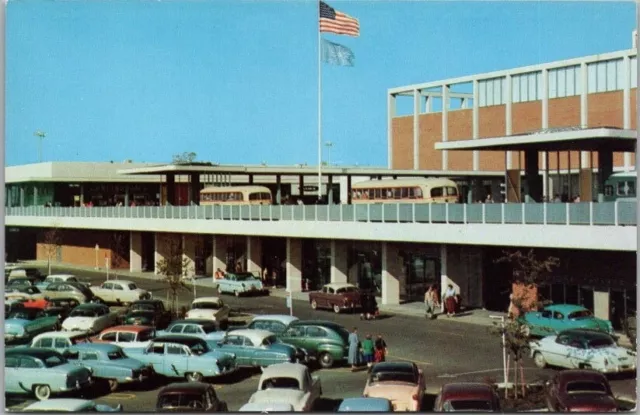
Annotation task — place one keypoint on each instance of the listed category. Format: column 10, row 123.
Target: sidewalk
column 415, row 309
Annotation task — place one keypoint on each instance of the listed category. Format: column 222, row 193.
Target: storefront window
column 316, row 266
column 364, row 265
column 421, row 271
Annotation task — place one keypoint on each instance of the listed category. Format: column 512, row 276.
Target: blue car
column 203, row 329
column 366, row 405
column 42, row 372
column 555, row 318
column 23, row 324
column 109, row 362
column 184, row 357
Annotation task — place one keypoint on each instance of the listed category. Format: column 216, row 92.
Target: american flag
column 333, row 21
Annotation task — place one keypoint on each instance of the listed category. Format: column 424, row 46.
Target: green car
column 325, row 341
column 24, row 323
column 555, row 318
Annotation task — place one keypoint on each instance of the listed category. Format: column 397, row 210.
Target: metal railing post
column 464, row 213
column 281, row 214
column 383, row 218
column 544, row 213
column 315, row 212
column 398, row 212
column 260, row 213
column 430, row 218
column 484, row 212
column 615, row 213
column 524, row 212
column 591, row 213
column 270, row 212
column 567, row 214
column 413, row 212
column 446, row 213
column 368, row 212
column 341, row 209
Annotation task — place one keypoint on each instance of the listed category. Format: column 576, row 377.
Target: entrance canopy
column 551, row 140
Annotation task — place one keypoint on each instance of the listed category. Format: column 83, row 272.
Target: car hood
column 71, row 323
column 290, row 396
column 14, row 323
column 590, row 403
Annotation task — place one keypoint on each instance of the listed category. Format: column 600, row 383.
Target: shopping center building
column 560, row 128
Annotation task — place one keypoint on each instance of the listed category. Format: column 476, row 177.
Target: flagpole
column 319, row 107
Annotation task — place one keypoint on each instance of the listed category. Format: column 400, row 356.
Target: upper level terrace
column 588, row 225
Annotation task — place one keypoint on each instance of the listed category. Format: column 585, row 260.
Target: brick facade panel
column 460, row 128
column 564, row 112
column 430, row 133
column 402, row 144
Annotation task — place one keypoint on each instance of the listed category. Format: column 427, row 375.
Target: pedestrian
column 354, row 349
column 364, row 305
column 450, row 300
column 372, row 306
column 381, row 349
column 431, row 302
column 238, row 267
column 368, row 350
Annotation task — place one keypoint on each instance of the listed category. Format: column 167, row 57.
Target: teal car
column 325, row 341
column 24, row 323
column 109, row 362
column 259, row 348
column 184, row 357
column 555, row 318
column 241, row 283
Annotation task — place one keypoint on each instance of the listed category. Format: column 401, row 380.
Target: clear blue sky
column 236, row 81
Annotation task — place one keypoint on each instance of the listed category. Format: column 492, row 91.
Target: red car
column 580, row 391
column 467, row 397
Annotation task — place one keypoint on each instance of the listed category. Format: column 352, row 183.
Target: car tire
column 326, row 360
column 336, row 309
column 113, row 385
column 42, row 392
column 539, row 360
column 314, row 305
column 194, row 377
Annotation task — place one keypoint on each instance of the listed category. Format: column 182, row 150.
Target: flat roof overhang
column 589, row 139
column 302, row 170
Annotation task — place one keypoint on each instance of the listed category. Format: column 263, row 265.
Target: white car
column 209, row 308
column 70, row 405
column 266, row 408
column 90, row 317
column 120, row 292
column 287, row 383
column 23, row 293
column 59, row 340
column 583, row 349
column 60, row 278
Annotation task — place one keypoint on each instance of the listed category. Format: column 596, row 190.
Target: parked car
column 467, row 397
column 59, row 340
column 126, row 336
column 401, row 382
column 209, row 308
column 70, row 405
column 325, row 341
column 148, row 313
column 240, row 283
column 11, row 305
column 258, row 348
column 275, row 323
column 120, row 292
column 61, row 307
column 189, row 397
column 61, row 278
column 204, row 329
column 90, row 317
column 266, row 408
column 108, row 362
column 23, row 324
column 580, row 391
column 555, row 318
column 69, row 290
column 583, row 349
column 42, row 372
column 365, row 405
column 184, row 357
column 30, row 292
column 21, row 282
column 336, row 296
column 22, row 271
column 289, row 383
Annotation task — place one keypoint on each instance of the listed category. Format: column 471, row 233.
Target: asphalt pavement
column 446, row 350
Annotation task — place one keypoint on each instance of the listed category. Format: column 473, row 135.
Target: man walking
column 431, row 302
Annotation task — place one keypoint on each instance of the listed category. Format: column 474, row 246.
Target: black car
column 148, row 313
column 189, row 397
column 61, row 307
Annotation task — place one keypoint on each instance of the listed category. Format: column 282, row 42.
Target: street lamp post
column 41, row 135
column 505, row 383
column 328, row 144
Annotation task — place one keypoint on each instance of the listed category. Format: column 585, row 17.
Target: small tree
column 527, row 272
column 117, row 252
column 184, row 158
column 52, row 243
column 174, row 267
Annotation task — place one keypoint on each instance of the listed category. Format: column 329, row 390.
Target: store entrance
column 274, row 261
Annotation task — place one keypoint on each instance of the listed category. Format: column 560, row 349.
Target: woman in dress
column 450, row 300
column 380, row 349
column 354, row 349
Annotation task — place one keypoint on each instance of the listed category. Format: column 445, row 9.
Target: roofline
column 512, row 141
column 515, row 71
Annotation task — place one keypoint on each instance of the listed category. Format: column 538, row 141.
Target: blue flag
column 335, row 54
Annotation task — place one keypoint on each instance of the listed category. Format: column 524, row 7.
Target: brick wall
column 78, row 247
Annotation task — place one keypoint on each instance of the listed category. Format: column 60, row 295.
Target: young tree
column 116, row 245
column 174, row 268
column 527, row 272
column 184, row 158
column 52, row 242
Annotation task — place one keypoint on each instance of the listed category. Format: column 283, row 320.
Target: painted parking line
column 123, row 396
column 411, row 360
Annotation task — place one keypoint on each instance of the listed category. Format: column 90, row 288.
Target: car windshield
column 199, row 348
column 600, row 343
column 281, row 383
column 116, row 354
column 83, row 312
column 269, row 340
column 21, row 314
column 53, row 361
column 245, row 277
column 393, row 377
column 132, row 286
column 467, row 405
column 142, row 307
column 581, row 314
column 181, row 400
column 206, row 305
column 209, row 328
column 346, row 290
column 575, row 388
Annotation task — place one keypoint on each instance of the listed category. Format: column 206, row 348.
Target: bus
column 235, row 195
column 620, row 186
column 405, row 190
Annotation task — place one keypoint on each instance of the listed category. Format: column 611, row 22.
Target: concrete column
column 339, row 256
column 294, row 264
column 159, row 251
column 126, row 195
column 278, row 189
column 254, row 254
column 444, row 274
column 135, row 251
column 508, row 119
column 391, row 113
column 475, row 124
column 189, row 252
column 445, row 125
column 171, row 189
column 330, row 190
column 391, row 270
column 21, row 195
column 601, row 304
column 81, row 194
column 220, row 253
column 626, row 105
column 416, row 129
